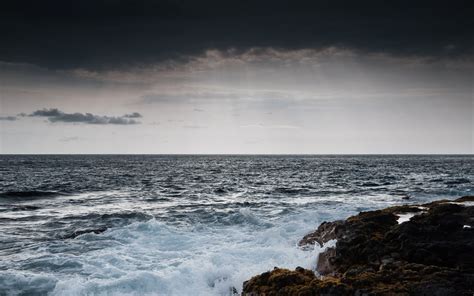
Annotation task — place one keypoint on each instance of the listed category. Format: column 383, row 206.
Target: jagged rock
column 429, row 254
column 325, row 232
column 301, row 282
column 325, row 261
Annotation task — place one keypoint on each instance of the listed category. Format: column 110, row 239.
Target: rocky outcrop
column 299, row 282
column 404, row 250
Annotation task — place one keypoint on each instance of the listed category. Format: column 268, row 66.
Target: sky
column 236, row 77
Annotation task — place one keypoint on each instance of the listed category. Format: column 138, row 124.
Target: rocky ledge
column 404, row 250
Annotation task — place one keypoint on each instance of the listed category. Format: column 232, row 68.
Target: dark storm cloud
column 55, row 115
column 98, row 34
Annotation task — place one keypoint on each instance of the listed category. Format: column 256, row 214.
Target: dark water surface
column 189, row 225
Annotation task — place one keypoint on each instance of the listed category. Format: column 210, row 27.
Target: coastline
column 421, row 249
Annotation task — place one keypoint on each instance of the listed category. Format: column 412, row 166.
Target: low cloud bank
column 56, row 115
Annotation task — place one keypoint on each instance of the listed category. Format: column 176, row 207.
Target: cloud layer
column 55, row 115
column 91, row 34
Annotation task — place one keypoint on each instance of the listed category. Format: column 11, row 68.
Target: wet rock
column 430, row 254
column 465, row 198
column 326, row 231
column 325, row 265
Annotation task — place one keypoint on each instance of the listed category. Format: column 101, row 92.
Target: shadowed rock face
column 432, row 253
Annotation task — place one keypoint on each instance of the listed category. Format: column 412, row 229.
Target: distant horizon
column 248, row 154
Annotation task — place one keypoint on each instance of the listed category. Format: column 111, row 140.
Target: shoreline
column 423, row 249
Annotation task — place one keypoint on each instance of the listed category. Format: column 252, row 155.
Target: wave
column 31, row 194
column 457, row 181
column 125, row 215
column 369, row 184
column 19, row 208
column 290, row 190
column 79, row 232
column 194, row 260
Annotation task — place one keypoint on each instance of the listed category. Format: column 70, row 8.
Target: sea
column 190, row 224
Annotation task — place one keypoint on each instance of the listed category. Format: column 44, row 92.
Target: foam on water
column 152, row 258
column 402, row 218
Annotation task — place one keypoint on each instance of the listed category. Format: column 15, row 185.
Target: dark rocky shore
column 377, row 253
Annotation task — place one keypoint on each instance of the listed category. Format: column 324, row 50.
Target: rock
column 325, row 232
column 300, row 282
column 324, row 261
column 465, row 198
column 430, row 254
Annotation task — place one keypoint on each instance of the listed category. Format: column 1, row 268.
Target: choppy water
column 189, row 225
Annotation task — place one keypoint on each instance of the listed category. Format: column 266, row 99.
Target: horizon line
column 245, row 154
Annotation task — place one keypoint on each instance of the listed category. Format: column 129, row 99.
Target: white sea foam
column 152, row 258
column 405, row 217
column 464, row 203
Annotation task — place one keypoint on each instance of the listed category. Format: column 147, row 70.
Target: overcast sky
column 236, row 77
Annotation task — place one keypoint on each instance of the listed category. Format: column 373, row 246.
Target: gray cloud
column 47, row 113
column 91, row 35
column 8, row 118
column 133, row 115
column 55, row 115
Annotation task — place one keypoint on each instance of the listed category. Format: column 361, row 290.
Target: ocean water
column 189, row 225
